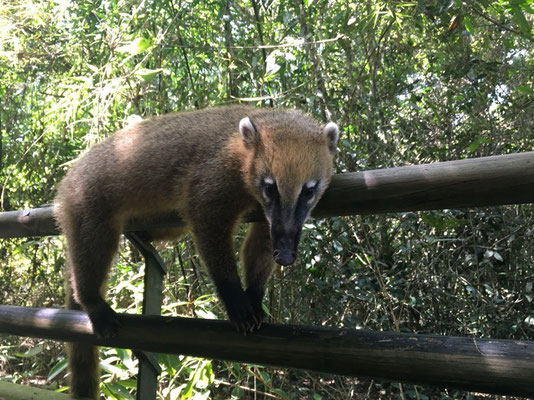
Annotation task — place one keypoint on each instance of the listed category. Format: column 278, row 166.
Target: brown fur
column 84, row 362
column 201, row 165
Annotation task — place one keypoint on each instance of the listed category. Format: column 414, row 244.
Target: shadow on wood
column 492, row 366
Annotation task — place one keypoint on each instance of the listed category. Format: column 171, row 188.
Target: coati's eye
column 269, row 189
column 309, row 190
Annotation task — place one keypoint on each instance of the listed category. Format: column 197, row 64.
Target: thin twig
column 259, row 47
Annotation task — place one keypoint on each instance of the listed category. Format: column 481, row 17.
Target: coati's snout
column 284, row 257
column 286, row 219
column 285, row 245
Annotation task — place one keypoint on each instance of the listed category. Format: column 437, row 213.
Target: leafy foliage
column 408, row 82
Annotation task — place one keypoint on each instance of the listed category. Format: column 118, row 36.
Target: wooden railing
column 488, row 365
column 475, row 182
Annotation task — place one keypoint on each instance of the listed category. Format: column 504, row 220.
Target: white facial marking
column 267, row 181
column 313, row 184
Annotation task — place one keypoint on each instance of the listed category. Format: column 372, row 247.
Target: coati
column 210, row 166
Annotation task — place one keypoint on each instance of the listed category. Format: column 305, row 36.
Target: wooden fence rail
column 492, row 366
column 475, row 182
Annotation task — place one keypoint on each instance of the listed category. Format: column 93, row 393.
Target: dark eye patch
column 308, row 192
column 269, row 188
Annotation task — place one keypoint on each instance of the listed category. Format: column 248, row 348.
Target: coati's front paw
column 243, row 317
column 240, row 310
column 104, row 320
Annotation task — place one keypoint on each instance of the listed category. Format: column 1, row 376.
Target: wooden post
column 485, row 365
column 149, row 369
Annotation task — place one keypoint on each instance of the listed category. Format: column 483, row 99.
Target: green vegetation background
column 408, row 83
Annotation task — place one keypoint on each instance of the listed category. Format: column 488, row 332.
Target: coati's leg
column 257, row 256
column 91, row 243
column 83, row 363
column 214, row 241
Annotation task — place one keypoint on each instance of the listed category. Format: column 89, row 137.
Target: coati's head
column 289, row 167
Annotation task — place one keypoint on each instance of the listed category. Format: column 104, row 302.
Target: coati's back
column 141, row 164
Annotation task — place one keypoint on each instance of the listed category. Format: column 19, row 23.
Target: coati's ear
column 331, row 131
column 248, row 131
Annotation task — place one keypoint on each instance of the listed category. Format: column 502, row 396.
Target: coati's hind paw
column 105, row 321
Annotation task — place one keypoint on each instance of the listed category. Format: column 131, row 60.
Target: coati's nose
column 284, row 257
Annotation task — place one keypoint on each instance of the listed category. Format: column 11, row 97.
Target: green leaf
column 474, row 146
column 112, row 369
column 120, row 391
column 525, row 89
column 281, row 393
column 136, row 46
column 57, row 369
column 148, row 74
column 516, row 2
column 520, row 19
column 468, row 23
column 24, row 246
column 122, row 354
column 31, row 352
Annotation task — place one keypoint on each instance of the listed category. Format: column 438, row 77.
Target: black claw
column 244, row 308
column 259, row 319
